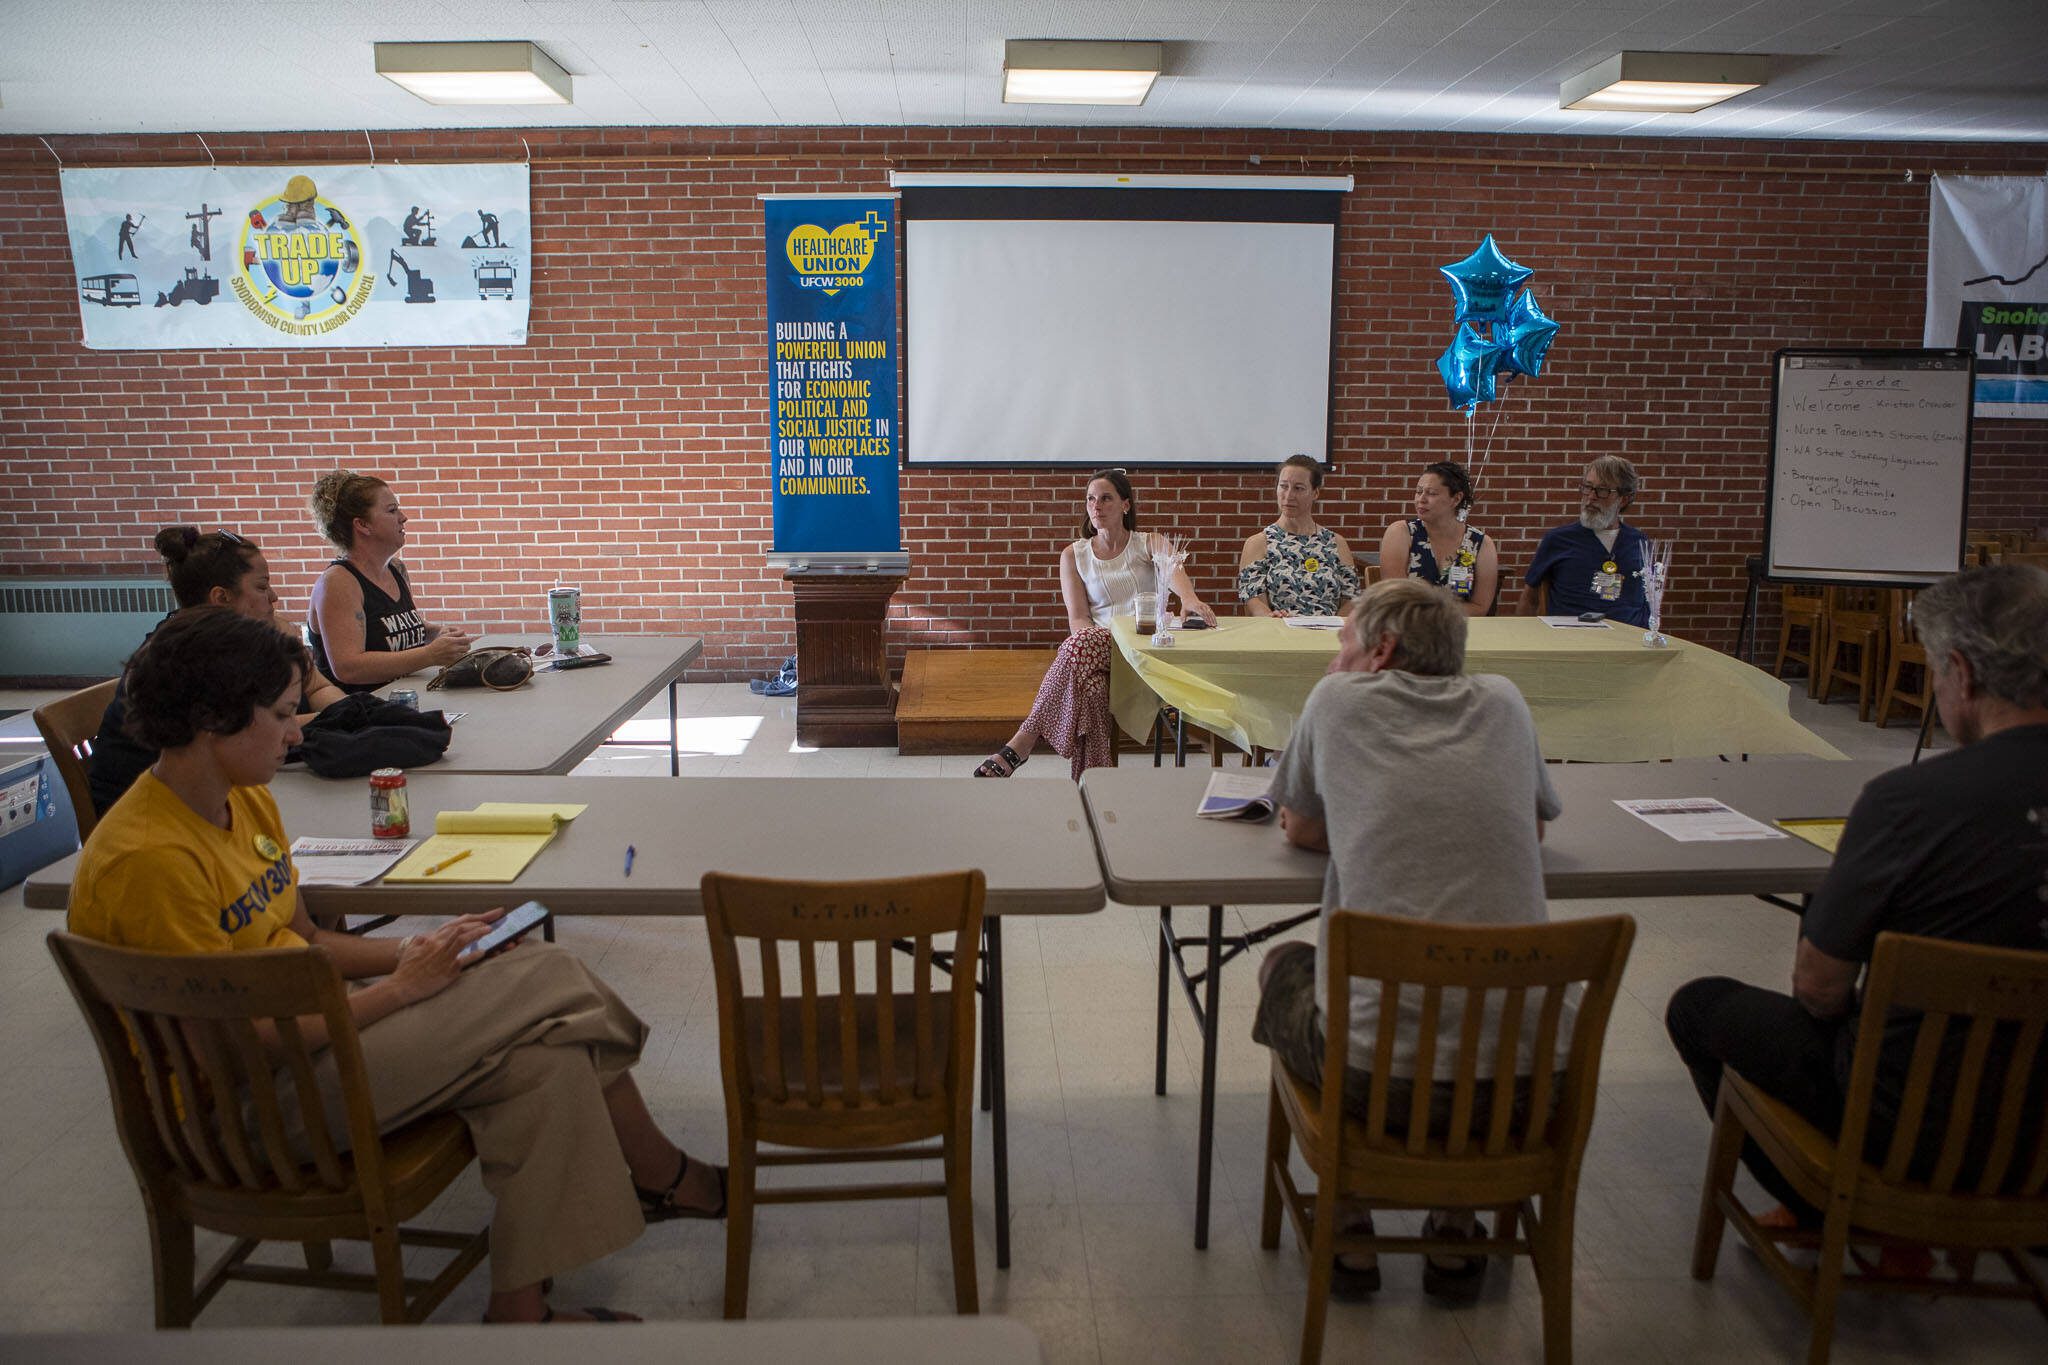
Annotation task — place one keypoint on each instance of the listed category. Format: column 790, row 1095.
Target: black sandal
column 1459, row 1282
column 1351, row 1284
column 659, row 1206
column 993, row 765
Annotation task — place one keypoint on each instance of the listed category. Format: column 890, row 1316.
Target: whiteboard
column 1870, row 466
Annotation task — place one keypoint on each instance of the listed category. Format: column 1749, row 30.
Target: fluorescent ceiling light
column 474, row 73
column 1664, row 82
column 1042, row 71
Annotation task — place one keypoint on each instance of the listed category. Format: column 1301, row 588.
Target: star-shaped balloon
column 1483, row 282
column 1468, row 365
column 1526, row 336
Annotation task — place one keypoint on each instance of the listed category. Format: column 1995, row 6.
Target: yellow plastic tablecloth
column 1597, row 695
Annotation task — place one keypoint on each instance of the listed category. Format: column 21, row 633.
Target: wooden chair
column 1802, row 608
column 68, row 725
column 2038, row 559
column 1986, row 1190
column 844, row 1074
column 178, row 1038
column 1506, row 1164
column 1856, row 620
column 1903, row 649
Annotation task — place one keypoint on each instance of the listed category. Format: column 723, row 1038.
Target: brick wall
column 625, row 447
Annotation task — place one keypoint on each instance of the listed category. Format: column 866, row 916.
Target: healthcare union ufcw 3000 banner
column 832, row 373
column 1987, row 285
column 301, row 256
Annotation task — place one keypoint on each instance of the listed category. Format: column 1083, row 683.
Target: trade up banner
column 300, row 256
column 832, row 374
column 1987, row 285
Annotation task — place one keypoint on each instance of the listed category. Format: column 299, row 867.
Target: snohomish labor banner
column 1987, row 285
column 300, row 256
column 832, row 373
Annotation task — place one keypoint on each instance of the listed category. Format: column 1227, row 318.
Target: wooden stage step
column 965, row 701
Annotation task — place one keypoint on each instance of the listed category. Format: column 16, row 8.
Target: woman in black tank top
column 366, row 629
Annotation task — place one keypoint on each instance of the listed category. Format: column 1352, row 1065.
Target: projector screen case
column 1099, row 324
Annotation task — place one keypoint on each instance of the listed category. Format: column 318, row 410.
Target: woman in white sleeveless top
column 1099, row 575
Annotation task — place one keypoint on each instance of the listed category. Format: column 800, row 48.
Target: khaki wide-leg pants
column 522, row 1047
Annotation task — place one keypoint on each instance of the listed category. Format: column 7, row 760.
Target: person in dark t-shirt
column 365, row 629
column 1953, row 848
column 206, row 568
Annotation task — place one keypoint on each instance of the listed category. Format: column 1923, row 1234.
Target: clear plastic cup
column 1145, row 606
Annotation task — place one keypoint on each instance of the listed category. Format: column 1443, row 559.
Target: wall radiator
column 66, row 631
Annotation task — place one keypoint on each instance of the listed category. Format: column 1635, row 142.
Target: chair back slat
column 807, row 1021
column 851, row 1048
column 885, row 1025
column 849, row 1028
column 269, row 1114
column 1542, row 1080
column 1919, row 1084
column 298, row 1062
column 925, row 1062
column 771, row 1024
column 1976, row 1046
column 2026, row 1047
column 1904, row 632
column 210, row 1052
column 1425, row 1066
column 1973, row 1103
column 188, row 1095
column 154, row 1093
column 1465, row 1080
column 1514, row 1001
column 1382, row 1051
column 199, row 1099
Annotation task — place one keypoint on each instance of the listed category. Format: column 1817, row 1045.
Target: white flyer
column 345, row 862
column 1698, row 820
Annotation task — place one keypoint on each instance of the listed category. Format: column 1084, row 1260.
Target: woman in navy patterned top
column 1295, row 567
column 1436, row 546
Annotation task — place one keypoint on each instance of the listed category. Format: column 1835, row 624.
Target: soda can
column 565, row 615
column 390, row 811
column 405, row 696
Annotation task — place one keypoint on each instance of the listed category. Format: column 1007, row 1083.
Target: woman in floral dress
column 1438, row 547
column 1295, row 567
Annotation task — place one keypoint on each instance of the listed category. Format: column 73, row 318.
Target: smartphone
column 514, row 926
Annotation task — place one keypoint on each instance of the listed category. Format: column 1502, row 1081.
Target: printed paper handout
column 1698, row 819
column 1314, row 622
column 1238, row 796
column 345, row 862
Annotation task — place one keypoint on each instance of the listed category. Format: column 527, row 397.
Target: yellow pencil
column 446, row 863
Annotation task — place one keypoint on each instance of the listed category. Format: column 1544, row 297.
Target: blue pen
column 629, row 860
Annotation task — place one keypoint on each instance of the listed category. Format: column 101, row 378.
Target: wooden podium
column 844, row 698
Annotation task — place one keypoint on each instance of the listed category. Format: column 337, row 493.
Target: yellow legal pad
column 499, row 843
column 1825, row 834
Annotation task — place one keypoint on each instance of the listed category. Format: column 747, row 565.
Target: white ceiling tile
column 1884, row 68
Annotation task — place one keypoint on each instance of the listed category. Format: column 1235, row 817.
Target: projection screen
column 1102, row 320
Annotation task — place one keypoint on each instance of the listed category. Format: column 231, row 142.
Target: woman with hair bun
column 1295, row 567
column 1436, row 546
column 366, row 630
column 206, row 568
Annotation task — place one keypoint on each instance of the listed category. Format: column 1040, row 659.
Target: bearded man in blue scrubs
column 1595, row 564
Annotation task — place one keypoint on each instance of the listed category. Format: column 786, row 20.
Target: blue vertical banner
column 832, row 373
